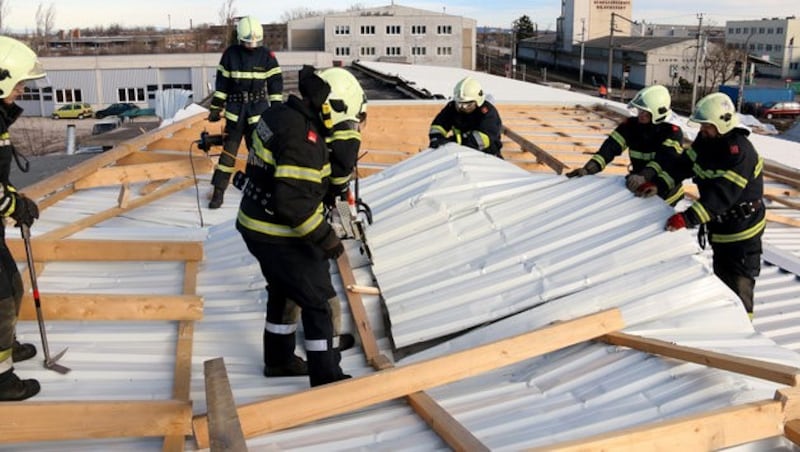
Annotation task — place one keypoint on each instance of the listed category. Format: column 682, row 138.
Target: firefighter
column 282, row 221
column 728, row 173
column 345, row 121
column 249, row 79
column 645, row 136
column 473, row 121
column 18, row 64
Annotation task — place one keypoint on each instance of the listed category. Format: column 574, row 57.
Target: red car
column 780, row 109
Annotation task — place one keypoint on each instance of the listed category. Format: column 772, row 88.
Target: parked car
column 72, row 111
column 106, row 125
column 114, row 109
column 773, row 109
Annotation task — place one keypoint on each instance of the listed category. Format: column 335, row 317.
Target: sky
column 20, row 15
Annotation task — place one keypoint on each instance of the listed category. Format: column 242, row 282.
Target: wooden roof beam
column 74, row 306
column 145, row 172
column 540, row 153
column 51, row 250
column 352, row 394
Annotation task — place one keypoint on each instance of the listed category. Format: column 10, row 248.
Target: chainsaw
column 352, row 212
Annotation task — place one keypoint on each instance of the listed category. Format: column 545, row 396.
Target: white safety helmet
column 347, row 101
column 716, row 109
column 18, row 63
column 468, row 90
column 250, row 32
column 654, row 100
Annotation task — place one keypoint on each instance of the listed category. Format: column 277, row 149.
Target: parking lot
column 42, row 136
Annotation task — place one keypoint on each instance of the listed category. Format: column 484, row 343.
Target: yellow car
column 72, row 111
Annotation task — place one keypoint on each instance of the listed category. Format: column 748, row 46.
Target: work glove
column 25, row 211
column 438, row 140
column 634, row 181
column 591, row 167
column 675, row 222
column 335, row 192
column 331, row 245
column 213, row 115
column 646, row 190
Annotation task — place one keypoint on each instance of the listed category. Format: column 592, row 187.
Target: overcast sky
column 21, row 14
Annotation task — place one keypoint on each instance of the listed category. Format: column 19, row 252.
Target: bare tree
column 719, row 66
column 227, row 13
column 45, row 23
column 4, row 4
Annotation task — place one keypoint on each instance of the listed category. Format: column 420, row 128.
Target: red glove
column 675, row 222
column 647, row 190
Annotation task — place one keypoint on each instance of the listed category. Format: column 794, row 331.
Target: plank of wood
column 714, row 430
column 60, row 421
column 775, row 218
column 91, row 220
column 224, row 429
column 347, row 395
column 755, row 368
column 540, row 153
column 74, row 306
column 145, row 172
column 792, row 431
column 360, row 319
column 124, row 195
column 45, row 250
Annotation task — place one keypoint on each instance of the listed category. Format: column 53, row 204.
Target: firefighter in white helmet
column 249, row 79
column 282, row 221
column 646, row 135
column 730, row 211
column 469, row 120
column 18, row 66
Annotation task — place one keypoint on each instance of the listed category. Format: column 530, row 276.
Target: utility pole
column 697, row 58
column 610, row 55
column 583, row 38
column 743, row 73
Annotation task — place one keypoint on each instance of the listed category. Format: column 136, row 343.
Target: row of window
column 754, row 46
column 393, row 51
column 754, row 30
column 69, row 95
column 369, row 30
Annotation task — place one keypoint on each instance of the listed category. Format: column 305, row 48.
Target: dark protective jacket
column 248, row 80
column 644, row 142
column 288, row 173
column 479, row 130
column 728, row 173
column 8, row 114
column 343, row 143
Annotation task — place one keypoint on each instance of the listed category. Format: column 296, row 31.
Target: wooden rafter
column 146, row 172
column 328, row 400
column 92, row 307
column 45, row 250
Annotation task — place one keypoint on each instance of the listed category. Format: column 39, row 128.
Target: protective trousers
column 298, row 271
column 292, row 313
column 234, row 131
column 10, row 300
column 737, row 264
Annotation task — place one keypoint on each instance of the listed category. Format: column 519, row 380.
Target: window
column 418, row 51
column 738, row 30
column 760, row 46
column 770, row 30
column 444, row 51
column 768, row 48
column 444, row 29
column 418, row 29
column 30, row 94
column 342, row 51
column 730, row 31
column 131, row 95
column 752, row 30
column 65, row 96
column 779, row 30
column 368, row 29
column 393, row 51
column 778, row 47
column 761, row 30
column 393, row 29
column 341, row 30
column 367, row 51
column 187, row 86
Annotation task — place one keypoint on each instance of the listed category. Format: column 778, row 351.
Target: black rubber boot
column 294, row 368
column 344, row 341
column 216, row 198
column 13, row 389
column 277, row 347
column 22, row 352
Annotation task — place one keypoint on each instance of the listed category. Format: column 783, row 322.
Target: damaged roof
column 511, row 301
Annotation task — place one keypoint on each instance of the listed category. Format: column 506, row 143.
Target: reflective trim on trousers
column 316, row 345
column 6, row 364
column 280, row 328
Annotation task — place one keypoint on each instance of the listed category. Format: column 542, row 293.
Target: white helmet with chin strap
column 468, row 90
column 716, row 109
column 250, row 32
column 347, row 101
column 18, row 63
column 654, row 100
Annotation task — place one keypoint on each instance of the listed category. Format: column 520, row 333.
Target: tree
column 523, row 28
column 3, row 15
column 719, row 65
column 45, row 23
column 227, row 12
